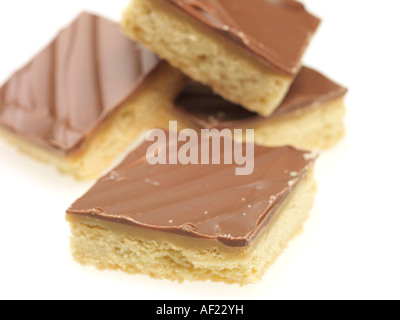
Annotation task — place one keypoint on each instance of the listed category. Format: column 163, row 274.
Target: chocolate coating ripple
column 75, row 83
column 277, row 31
column 200, row 201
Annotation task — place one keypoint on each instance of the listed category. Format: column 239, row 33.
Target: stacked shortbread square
column 249, row 53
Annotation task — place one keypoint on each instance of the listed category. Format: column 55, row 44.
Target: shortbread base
column 320, row 127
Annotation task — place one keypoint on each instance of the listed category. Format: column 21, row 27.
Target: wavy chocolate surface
column 76, row 82
column 200, row 201
column 208, row 110
column 277, row 31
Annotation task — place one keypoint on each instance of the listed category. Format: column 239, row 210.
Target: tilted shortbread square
column 85, row 97
column 247, row 51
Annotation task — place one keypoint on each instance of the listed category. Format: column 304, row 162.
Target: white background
column 350, row 245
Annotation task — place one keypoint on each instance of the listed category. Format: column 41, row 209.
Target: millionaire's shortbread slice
column 247, row 51
column 310, row 117
column 194, row 221
column 85, row 97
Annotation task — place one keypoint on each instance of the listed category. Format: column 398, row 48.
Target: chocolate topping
column 74, row 84
column 200, row 201
column 208, row 110
column 277, row 31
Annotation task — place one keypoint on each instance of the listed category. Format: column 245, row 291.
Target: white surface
column 350, row 245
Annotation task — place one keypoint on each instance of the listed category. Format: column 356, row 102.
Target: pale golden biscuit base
column 116, row 133
column 206, row 56
column 107, row 245
column 319, row 127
